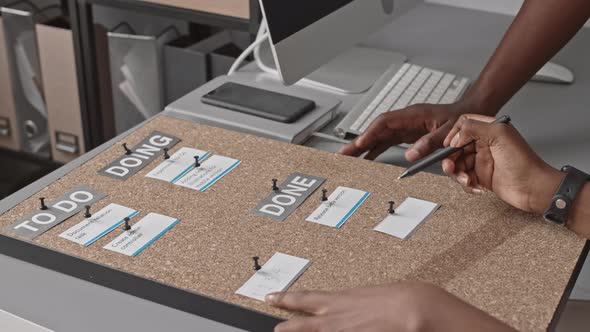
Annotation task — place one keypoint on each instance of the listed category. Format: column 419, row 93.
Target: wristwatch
column 563, row 200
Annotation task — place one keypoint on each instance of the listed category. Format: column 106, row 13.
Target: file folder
column 26, row 80
column 103, row 71
column 222, row 50
column 9, row 133
column 185, row 68
column 137, row 75
column 60, row 82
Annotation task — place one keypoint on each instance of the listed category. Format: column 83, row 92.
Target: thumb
column 428, row 143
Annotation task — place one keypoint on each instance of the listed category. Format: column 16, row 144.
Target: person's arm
column 539, row 31
column 501, row 161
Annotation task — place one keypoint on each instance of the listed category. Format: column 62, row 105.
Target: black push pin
column 391, row 209
column 43, row 206
column 256, row 265
column 324, row 195
column 274, row 185
column 197, row 164
column 166, row 155
column 87, row 214
column 127, row 150
column 127, row 226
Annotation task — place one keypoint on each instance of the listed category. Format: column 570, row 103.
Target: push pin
column 256, row 265
column 324, row 195
column 127, row 150
column 127, row 226
column 166, row 155
column 391, row 209
column 87, row 214
column 197, row 164
column 274, row 185
column 43, row 206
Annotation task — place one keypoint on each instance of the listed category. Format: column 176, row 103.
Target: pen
column 441, row 154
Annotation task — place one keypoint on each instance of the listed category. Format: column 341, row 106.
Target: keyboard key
column 393, row 95
column 440, row 89
column 427, row 88
column 412, row 90
column 369, row 110
column 454, row 91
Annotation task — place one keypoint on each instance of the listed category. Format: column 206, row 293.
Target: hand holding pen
column 441, row 154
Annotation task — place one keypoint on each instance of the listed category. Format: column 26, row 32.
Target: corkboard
column 511, row 264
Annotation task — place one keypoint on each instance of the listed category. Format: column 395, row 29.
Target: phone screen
column 258, row 102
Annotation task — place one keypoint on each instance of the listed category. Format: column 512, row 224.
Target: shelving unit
column 84, row 36
column 236, row 15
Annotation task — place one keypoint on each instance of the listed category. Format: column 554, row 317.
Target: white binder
column 9, row 132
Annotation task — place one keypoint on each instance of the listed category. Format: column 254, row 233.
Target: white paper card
column 142, row 234
column 407, row 218
column 100, row 224
column 210, row 172
column 180, row 163
column 277, row 275
column 341, row 204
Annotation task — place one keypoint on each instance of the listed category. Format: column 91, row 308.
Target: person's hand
column 500, row 160
column 424, row 125
column 399, row 307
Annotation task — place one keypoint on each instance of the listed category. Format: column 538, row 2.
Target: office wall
column 511, row 7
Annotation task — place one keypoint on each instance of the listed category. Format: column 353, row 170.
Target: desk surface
column 431, row 35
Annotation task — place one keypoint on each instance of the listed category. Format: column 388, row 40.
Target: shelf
column 207, row 14
column 233, row 8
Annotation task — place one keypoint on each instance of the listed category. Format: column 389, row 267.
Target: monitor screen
column 288, row 17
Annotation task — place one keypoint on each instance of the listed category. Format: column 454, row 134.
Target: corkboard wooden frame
column 469, row 255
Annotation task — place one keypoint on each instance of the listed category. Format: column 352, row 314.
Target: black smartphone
column 262, row 103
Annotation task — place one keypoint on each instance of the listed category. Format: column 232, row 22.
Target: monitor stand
column 352, row 72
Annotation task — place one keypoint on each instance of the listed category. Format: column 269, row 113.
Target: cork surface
column 510, row 264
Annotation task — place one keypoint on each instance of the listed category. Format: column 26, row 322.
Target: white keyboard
column 399, row 88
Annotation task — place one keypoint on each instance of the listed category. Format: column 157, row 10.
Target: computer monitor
column 306, row 34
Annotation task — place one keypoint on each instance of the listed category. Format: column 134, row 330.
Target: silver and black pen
column 441, row 154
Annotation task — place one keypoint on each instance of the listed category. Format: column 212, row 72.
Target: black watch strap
column 563, row 200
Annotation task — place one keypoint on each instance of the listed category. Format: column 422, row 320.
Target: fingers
column 351, row 150
column 466, row 162
column 377, row 151
column 309, row 302
column 461, row 168
column 423, row 147
column 470, row 125
column 474, row 170
column 474, row 186
column 448, row 166
column 468, row 181
column 369, row 138
column 428, row 143
column 383, row 131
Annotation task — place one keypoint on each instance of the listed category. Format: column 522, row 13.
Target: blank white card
column 277, row 275
column 407, row 218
